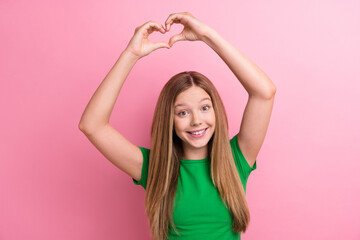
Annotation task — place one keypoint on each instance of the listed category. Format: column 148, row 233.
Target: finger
column 155, row 27
column 152, row 26
column 173, row 18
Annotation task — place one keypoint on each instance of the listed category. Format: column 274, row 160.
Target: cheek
column 178, row 127
column 180, row 124
column 212, row 117
column 177, row 124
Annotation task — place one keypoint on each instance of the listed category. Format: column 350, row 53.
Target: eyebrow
column 178, row 105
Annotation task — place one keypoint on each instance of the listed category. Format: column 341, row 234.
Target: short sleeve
column 242, row 165
column 144, row 171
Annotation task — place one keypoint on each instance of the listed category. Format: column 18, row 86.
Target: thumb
column 175, row 38
column 161, row 45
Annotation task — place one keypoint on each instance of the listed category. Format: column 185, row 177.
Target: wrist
column 130, row 55
column 209, row 35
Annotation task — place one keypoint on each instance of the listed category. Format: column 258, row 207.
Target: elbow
column 271, row 93
column 269, row 89
column 89, row 129
column 81, row 127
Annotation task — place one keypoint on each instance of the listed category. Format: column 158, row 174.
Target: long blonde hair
column 166, row 153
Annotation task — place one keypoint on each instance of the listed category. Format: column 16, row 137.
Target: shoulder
column 144, row 168
column 241, row 163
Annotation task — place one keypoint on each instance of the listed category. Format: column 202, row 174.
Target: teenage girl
column 194, row 175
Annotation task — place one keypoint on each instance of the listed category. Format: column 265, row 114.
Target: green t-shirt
column 201, row 213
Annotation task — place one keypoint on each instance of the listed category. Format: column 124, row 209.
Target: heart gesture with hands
column 140, row 45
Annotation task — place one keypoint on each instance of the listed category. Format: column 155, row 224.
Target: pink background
column 54, row 184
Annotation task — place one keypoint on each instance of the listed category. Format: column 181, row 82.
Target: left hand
column 194, row 29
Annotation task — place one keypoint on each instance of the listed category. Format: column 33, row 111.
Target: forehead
column 193, row 95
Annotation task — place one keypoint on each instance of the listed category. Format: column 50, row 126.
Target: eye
column 208, row 107
column 180, row 113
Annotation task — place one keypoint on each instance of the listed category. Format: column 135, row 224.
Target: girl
column 194, row 176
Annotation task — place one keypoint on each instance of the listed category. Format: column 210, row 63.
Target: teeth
column 198, row 133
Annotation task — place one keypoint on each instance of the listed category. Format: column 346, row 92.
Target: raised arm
column 94, row 122
column 98, row 110
column 261, row 90
column 258, row 85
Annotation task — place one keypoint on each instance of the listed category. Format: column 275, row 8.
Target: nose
column 195, row 120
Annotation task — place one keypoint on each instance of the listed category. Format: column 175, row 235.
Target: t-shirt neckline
column 194, row 160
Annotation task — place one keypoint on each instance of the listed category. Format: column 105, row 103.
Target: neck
column 195, row 153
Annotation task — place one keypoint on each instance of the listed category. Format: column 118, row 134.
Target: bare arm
column 94, row 121
column 254, row 80
column 98, row 110
column 261, row 90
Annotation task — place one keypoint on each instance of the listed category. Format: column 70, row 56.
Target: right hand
column 140, row 45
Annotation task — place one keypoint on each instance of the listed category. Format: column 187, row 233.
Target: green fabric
column 201, row 214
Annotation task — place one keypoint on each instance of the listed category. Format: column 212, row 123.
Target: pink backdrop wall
column 54, row 184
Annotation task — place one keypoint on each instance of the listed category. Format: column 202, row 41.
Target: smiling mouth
column 199, row 132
